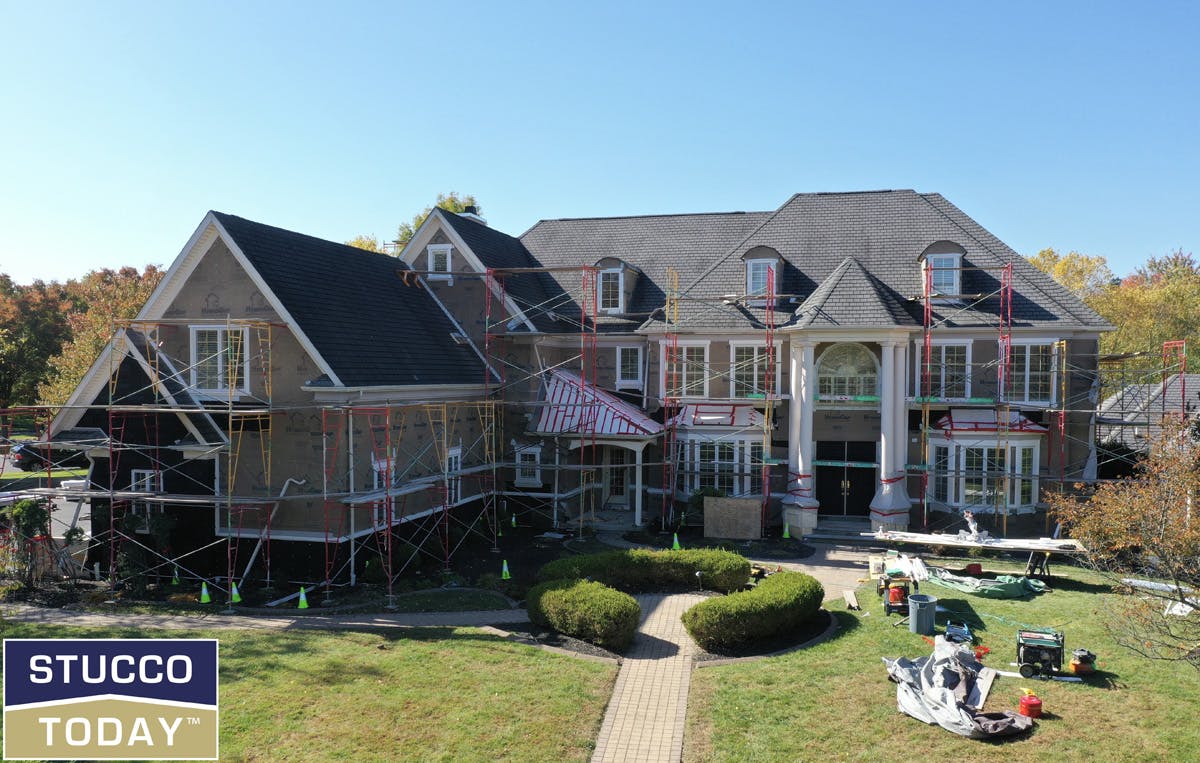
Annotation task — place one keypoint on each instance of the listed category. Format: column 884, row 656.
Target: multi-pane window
column 611, row 298
column 629, row 367
column 1031, row 373
column 145, row 481
column 453, row 477
column 941, row 474
column 758, row 275
column 439, row 260
column 618, row 473
column 983, row 470
column 847, row 371
column 949, row 372
column 944, row 274
column 684, row 376
column 219, row 362
column 982, row 474
column 529, row 467
column 750, row 372
column 715, row 465
column 733, row 466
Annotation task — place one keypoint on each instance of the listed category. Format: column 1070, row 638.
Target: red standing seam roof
column 567, row 403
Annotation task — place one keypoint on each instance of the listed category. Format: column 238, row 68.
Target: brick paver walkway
column 645, row 716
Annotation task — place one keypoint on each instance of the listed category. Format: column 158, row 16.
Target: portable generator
column 1039, row 651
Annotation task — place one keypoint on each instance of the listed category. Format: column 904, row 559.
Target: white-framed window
column 629, row 367
column 380, row 469
column 438, row 256
column 529, row 466
column 758, row 275
column 612, row 291
column 949, row 370
column 848, row 373
column 453, row 476
column 145, row 481
column 685, row 375
column 984, row 474
column 748, row 371
column 220, row 362
column 1031, row 372
column 733, row 465
column 945, row 275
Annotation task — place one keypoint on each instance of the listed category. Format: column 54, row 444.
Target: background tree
column 102, row 296
column 1085, row 275
column 451, row 201
column 1147, row 526
column 33, row 327
column 370, row 243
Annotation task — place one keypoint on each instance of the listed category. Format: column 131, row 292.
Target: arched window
column 847, row 371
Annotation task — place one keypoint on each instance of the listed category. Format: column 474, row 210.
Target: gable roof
column 530, row 291
column 1133, row 415
column 356, row 310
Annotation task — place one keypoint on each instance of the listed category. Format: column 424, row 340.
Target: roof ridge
column 350, row 249
column 643, row 217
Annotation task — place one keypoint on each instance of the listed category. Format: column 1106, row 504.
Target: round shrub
column 586, row 610
column 778, row 605
column 648, row 570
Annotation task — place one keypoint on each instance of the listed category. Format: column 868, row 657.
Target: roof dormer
column 764, row 272
column 615, row 282
column 941, row 271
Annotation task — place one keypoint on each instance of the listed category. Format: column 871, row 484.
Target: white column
column 902, row 433
column 800, row 510
column 637, row 489
column 889, row 507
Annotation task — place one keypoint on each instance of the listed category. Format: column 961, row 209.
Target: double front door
column 845, row 477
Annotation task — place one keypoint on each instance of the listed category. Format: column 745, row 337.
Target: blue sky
column 1072, row 125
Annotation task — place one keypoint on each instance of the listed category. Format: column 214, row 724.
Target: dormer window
column 942, row 267
column 764, row 268
column 612, row 290
column 439, row 262
column 758, row 275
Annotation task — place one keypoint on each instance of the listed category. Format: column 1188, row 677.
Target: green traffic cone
column 514, row 520
column 303, row 600
column 786, row 534
column 204, row 597
column 175, row 577
column 504, row 573
column 234, row 596
column 499, row 531
column 675, row 543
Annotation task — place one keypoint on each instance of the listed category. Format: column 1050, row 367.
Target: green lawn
column 834, row 701
column 447, row 694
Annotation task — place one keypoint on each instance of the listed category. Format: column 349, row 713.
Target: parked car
column 30, row 457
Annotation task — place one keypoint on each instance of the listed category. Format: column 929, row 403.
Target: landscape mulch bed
column 534, row 634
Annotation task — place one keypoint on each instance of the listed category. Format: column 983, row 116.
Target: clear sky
column 1072, row 125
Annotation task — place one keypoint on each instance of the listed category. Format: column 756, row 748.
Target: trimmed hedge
column 647, row 570
column 586, row 610
column 780, row 604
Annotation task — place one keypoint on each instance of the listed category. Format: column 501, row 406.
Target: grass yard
column 834, row 701
column 445, row 694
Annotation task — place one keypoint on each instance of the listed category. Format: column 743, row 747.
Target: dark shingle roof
column 1134, row 414
column 885, row 232
column 651, row 244
column 355, row 309
column 850, row 296
column 499, row 250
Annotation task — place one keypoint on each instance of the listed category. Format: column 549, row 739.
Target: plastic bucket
column 922, row 612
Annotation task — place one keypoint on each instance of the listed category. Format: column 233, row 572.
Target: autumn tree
column 33, row 327
column 1085, row 275
column 102, row 296
column 370, row 243
column 1157, row 303
column 451, row 202
column 1148, row 526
